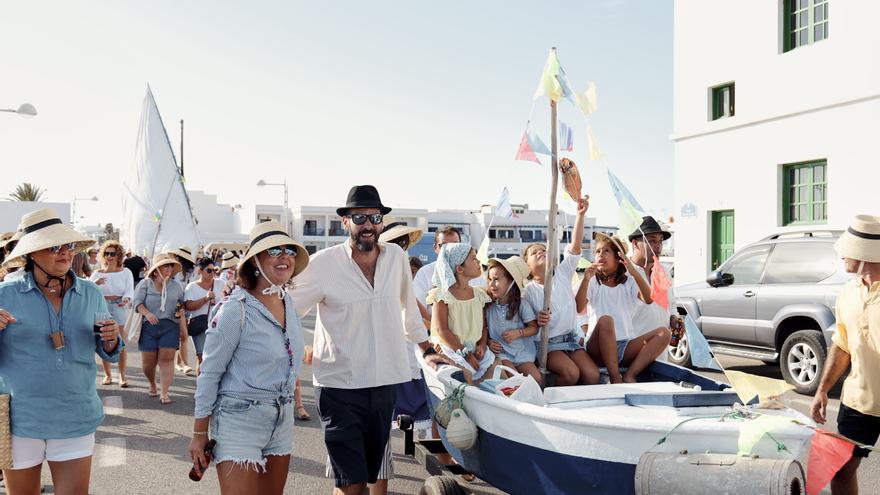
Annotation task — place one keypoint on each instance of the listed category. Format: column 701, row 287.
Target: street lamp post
column 75, row 199
column 26, row 110
column 284, row 216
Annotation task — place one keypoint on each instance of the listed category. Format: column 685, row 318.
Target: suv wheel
column 680, row 354
column 802, row 360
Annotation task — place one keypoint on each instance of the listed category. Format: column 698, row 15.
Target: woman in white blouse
column 117, row 284
column 200, row 296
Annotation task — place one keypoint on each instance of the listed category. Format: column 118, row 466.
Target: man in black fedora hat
column 360, row 348
column 652, row 321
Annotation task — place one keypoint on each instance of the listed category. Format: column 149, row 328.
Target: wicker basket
column 5, row 434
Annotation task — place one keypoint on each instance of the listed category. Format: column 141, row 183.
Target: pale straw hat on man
column 43, row 229
column 861, row 241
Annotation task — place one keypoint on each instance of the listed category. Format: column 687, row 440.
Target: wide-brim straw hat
column 620, row 244
column 271, row 234
column 163, row 259
column 415, row 234
column 184, row 252
column 42, row 229
column 516, row 267
column 861, row 241
column 230, row 260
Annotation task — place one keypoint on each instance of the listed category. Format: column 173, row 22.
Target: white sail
column 156, row 210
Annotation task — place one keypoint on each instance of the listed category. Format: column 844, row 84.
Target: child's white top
column 119, row 283
column 618, row 302
column 563, row 311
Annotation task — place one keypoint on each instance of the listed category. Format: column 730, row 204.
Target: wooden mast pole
column 552, row 257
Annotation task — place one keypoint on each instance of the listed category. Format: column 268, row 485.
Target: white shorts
column 30, row 452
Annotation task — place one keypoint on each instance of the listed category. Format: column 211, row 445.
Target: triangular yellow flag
column 747, row 386
column 586, row 101
column 483, row 252
column 595, row 152
column 549, row 83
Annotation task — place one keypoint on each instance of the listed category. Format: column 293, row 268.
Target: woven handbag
column 5, row 434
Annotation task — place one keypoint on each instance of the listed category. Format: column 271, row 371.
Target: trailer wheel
column 441, row 485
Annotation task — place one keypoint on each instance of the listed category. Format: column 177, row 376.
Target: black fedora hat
column 363, row 197
column 649, row 226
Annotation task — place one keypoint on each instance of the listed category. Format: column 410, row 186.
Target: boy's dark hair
column 204, row 262
column 446, row 230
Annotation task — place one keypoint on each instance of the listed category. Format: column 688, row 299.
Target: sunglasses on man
column 361, row 218
column 275, row 252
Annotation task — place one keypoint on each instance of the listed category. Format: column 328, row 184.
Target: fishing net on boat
column 451, row 402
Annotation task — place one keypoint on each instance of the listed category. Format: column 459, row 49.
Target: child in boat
column 512, row 325
column 565, row 358
column 457, row 324
column 611, row 291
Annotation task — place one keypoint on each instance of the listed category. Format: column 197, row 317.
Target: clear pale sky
column 426, row 100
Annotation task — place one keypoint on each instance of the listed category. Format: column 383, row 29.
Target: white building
column 216, row 222
column 774, row 122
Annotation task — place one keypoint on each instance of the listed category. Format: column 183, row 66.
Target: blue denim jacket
column 53, row 391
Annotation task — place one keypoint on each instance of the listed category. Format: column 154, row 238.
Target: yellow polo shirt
column 858, row 333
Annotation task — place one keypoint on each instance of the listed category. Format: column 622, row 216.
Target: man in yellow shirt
column 856, row 344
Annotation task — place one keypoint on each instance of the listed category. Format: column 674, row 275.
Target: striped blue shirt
column 245, row 356
column 53, row 391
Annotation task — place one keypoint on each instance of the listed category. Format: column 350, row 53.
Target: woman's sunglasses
column 57, row 249
column 360, row 218
column 209, row 270
column 276, row 251
column 110, row 254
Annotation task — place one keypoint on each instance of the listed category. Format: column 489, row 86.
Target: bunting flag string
column 748, row 386
column 535, row 142
column 586, row 101
column 593, row 145
column 827, row 455
column 701, row 354
column 525, row 152
column 566, row 141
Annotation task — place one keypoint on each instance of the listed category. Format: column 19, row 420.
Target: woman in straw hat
column 47, row 347
column 156, row 299
column 117, row 284
column 253, row 351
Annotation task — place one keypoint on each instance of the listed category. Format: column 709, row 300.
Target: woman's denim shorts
column 165, row 335
column 248, row 430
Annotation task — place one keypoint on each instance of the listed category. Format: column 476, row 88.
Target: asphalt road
column 141, row 446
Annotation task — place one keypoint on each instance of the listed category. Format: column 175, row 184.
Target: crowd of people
column 380, row 318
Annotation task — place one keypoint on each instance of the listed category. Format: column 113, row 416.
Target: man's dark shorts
column 357, row 425
column 862, row 428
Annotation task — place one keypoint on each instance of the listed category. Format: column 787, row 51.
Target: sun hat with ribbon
column 271, row 234
column 516, row 267
column 163, row 259
column 229, row 260
column 184, row 252
column 451, row 256
column 42, row 229
column 399, row 229
column 861, row 240
column 601, row 236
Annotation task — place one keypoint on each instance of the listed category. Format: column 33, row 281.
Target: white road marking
column 110, row 452
column 113, row 405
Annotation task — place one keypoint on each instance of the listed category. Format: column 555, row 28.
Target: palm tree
column 27, row 192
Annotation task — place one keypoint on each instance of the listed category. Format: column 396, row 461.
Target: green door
column 722, row 237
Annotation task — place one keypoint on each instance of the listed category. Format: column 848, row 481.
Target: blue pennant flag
column 701, row 355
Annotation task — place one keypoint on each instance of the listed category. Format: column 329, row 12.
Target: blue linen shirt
column 245, row 357
column 53, row 394
column 522, row 350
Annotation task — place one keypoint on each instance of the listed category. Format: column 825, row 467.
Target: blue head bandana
column 451, row 256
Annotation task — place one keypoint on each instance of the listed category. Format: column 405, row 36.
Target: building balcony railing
column 313, row 231
column 337, row 232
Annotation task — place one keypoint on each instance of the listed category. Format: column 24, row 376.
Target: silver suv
column 773, row 301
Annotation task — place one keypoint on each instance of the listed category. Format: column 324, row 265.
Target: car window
column 747, row 266
column 801, row 263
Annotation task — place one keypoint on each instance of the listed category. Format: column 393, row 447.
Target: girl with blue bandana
column 457, row 324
